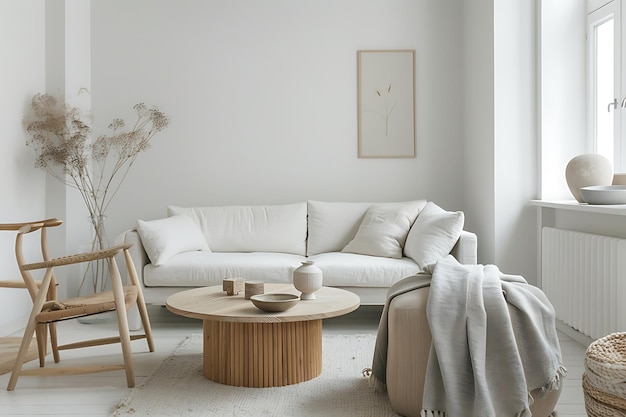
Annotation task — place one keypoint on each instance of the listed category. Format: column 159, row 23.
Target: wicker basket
column 596, row 408
column 605, row 364
column 604, row 379
column 604, row 398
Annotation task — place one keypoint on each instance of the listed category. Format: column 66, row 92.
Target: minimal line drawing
column 386, row 115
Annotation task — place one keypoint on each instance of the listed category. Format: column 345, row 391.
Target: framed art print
column 386, row 103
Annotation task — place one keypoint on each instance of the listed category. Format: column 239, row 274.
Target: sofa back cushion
column 332, row 225
column 277, row 228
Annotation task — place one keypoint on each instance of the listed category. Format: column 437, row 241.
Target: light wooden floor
column 98, row 394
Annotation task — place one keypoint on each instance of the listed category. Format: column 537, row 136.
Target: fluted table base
column 262, row 354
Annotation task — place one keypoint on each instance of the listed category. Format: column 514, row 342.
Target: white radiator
column 584, row 276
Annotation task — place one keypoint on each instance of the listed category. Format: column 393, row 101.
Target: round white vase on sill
column 307, row 278
column 587, row 170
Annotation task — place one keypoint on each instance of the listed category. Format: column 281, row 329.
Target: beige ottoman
column 407, row 356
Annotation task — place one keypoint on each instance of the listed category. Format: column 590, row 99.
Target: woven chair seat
column 84, row 306
column 605, row 364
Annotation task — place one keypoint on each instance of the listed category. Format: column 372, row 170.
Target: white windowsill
column 618, row 210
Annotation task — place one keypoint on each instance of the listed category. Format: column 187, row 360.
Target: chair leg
column 122, row 322
column 30, row 330
column 145, row 321
column 41, row 331
column 141, row 304
column 21, row 355
column 127, row 353
column 54, row 342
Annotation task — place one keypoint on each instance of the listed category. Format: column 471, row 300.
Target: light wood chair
column 21, row 283
column 47, row 310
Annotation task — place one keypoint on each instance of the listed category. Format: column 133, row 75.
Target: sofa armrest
column 466, row 248
column 137, row 252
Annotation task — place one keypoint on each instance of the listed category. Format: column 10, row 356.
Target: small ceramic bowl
column 604, row 194
column 274, row 302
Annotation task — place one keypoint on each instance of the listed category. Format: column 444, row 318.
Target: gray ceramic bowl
column 604, row 194
column 274, row 302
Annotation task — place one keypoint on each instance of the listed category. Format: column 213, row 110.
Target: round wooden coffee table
column 244, row 346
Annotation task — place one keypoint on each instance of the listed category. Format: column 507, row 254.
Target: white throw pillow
column 433, row 235
column 384, row 229
column 332, row 225
column 170, row 236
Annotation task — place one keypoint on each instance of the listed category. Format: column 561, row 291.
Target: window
column 606, row 89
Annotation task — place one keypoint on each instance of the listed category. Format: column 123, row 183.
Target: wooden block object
column 254, row 288
column 233, row 286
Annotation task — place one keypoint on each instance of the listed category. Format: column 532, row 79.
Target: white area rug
column 178, row 388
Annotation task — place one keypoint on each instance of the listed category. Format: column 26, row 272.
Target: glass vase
column 95, row 275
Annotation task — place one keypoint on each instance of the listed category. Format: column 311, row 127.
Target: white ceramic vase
column 307, row 278
column 587, row 170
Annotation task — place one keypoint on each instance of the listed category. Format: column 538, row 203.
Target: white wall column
column 68, row 75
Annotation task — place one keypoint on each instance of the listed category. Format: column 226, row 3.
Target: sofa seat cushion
column 201, row 269
column 354, row 270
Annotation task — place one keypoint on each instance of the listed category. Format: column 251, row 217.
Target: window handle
column 614, row 104
column 624, row 102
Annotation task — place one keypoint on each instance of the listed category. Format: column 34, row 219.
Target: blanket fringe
column 432, row 413
column 555, row 383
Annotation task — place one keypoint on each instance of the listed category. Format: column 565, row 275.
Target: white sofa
column 362, row 247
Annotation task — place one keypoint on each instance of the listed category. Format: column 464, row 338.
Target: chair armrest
column 31, row 226
column 78, row 258
column 14, row 284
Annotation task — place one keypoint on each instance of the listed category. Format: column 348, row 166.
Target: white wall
column 68, row 74
column 478, row 122
column 263, row 100
column 500, row 110
column 23, row 188
column 563, row 97
column 516, row 167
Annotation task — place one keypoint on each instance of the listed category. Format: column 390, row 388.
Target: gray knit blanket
column 494, row 341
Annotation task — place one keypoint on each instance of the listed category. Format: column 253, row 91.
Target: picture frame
column 386, row 103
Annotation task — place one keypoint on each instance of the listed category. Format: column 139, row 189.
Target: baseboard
column 569, row 331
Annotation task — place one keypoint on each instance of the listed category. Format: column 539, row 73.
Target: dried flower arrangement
column 61, row 137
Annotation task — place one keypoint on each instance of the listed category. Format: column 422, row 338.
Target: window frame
column 599, row 12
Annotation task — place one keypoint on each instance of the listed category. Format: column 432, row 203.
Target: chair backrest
column 23, row 229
